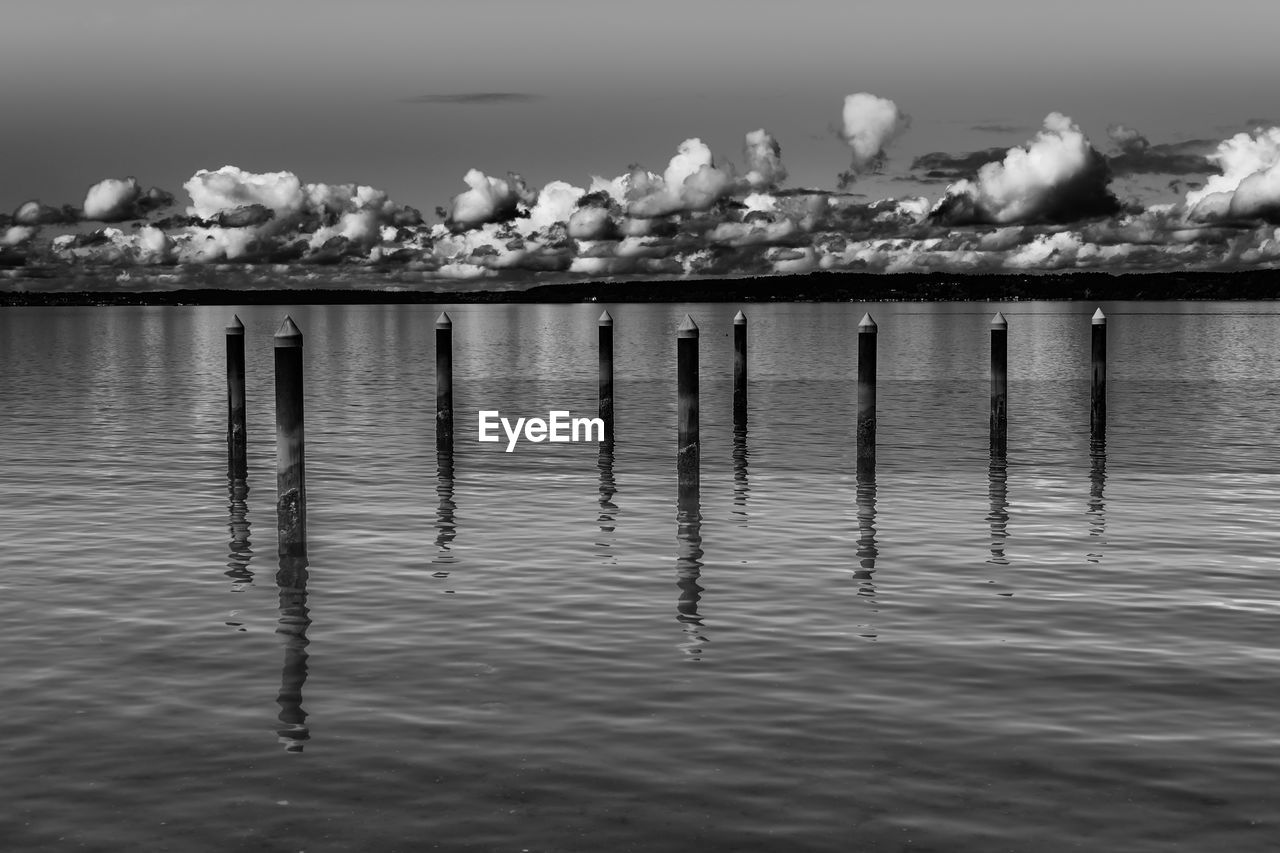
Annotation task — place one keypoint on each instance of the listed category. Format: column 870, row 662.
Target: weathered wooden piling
column 999, row 384
column 687, row 459
column 291, row 488
column 1098, row 397
column 866, row 426
column 444, row 376
column 606, row 374
column 237, row 437
column 740, row 369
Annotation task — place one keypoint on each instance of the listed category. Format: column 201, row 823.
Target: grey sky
column 326, row 89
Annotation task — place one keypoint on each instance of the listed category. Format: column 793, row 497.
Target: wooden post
column 606, row 374
column 687, row 410
column 444, row 377
column 1098, row 397
column 866, row 435
column 237, row 439
column 291, row 486
column 740, row 369
column 999, row 384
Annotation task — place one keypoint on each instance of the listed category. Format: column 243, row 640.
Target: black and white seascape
column 678, row 427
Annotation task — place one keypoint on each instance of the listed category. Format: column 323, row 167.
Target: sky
column 407, row 97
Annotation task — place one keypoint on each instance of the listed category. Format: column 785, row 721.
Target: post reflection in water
column 238, row 526
column 998, row 515
column 741, row 487
column 295, row 618
column 608, row 509
column 689, row 570
column 865, row 497
column 446, row 508
column 1097, row 506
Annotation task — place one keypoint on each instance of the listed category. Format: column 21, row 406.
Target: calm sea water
column 525, row 651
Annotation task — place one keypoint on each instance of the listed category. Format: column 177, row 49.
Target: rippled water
column 527, row 651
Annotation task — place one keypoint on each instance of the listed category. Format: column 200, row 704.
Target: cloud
column 116, row 199
column 870, row 123
column 763, row 156
column 1000, row 128
column 474, row 98
column 17, row 235
column 488, row 200
column 1139, row 157
column 34, row 213
column 230, row 187
column 1248, row 186
column 1056, row 177
column 691, row 182
column 940, row 166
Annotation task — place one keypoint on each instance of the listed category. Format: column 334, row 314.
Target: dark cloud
column 941, row 166
column 480, row 98
column 1261, row 122
column 1057, row 177
column 1000, row 128
column 1139, row 157
column 35, row 213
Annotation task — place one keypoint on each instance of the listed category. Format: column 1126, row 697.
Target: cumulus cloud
column 869, row 124
column 17, row 235
column 34, row 213
column 117, row 199
column 691, row 182
column 1248, row 186
column 1056, row 177
column 763, row 156
column 488, row 200
column 231, row 187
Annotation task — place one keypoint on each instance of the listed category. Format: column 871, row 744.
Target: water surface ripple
column 1068, row 647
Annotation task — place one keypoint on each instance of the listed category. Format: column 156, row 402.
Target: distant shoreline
column 813, row 287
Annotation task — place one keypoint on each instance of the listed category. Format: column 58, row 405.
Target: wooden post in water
column 999, row 384
column 687, row 461
column 866, row 434
column 606, row 374
column 740, row 370
column 444, row 377
column 291, row 485
column 237, row 440
column 1098, row 397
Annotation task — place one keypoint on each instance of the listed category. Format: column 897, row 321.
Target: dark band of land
column 814, row 287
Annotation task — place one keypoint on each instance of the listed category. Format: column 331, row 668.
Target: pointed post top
column 235, row 327
column 606, row 319
column 1099, row 319
column 999, row 322
column 688, row 328
column 739, row 319
column 866, row 324
column 443, row 321
column 288, row 335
